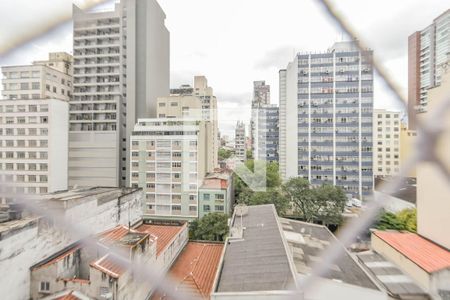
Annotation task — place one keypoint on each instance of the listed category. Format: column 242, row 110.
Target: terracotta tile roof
column 195, row 269
column 69, row 296
column 110, row 265
column 424, row 253
column 57, row 257
column 122, row 235
column 164, row 234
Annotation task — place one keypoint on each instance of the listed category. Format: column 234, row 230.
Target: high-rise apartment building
column 326, row 102
column 239, row 141
column 427, row 51
column 169, row 161
column 121, row 66
column 261, row 96
column 34, row 126
column 171, row 155
column 207, row 110
column 266, row 137
column 261, row 93
column 386, row 142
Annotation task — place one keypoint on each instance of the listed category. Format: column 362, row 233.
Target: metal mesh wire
column 429, row 133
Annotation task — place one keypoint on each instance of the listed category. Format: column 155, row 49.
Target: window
column 218, row 208
column 35, row 85
column 44, row 108
column 44, row 120
column 176, row 207
column 206, row 197
column 174, row 104
column 31, row 178
column 220, row 197
column 32, row 108
column 192, row 208
column 206, row 208
column 54, row 89
column 161, row 104
column 44, row 286
column 43, row 178
column 35, row 74
column 47, row 87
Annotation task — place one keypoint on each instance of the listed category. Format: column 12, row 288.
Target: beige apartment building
column 386, row 146
column 169, row 158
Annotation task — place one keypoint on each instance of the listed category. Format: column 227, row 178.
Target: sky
column 235, row 42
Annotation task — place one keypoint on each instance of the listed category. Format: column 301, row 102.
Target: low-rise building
column 194, row 270
column 216, row 194
column 29, row 240
column 266, row 257
column 95, row 271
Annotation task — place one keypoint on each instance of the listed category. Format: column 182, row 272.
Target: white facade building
column 34, row 146
column 386, row 138
column 34, row 126
column 169, row 160
column 121, row 65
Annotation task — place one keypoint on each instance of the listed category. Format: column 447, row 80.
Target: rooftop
column 258, row 261
column 424, row 253
column 164, row 234
column 307, row 242
column 67, row 295
column 70, row 198
column 195, row 268
column 111, row 265
column 122, row 235
column 395, row 281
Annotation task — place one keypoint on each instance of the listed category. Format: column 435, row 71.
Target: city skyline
column 207, row 58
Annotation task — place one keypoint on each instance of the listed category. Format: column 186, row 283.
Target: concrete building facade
column 326, row 103
column 427, row 51
column 239, row 141
column 25, row 242
column 121, row 65
column 169, row 158
column 266, row 133
column 386, row 142
column 34, row 146
column 216, row 194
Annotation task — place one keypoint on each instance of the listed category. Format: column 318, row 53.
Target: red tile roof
column 68, row 296
column 424, row 253
column 110, row 265
column 164, row 234
column 57, row 258
column 122, row 235
column 195, row 269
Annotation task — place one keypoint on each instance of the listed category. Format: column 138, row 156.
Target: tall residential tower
column 427, row 52
column 326, row 103
column 121, row 65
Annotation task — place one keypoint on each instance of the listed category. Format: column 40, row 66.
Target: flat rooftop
column 308, row 241
column 396, row 283
column 259, row 261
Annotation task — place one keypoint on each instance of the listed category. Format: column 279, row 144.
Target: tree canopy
column 224, row 153
column 212, row 227
column 403, row 220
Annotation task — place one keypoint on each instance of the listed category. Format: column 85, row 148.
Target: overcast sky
column 234, row 42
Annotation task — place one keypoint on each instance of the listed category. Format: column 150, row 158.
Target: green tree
column 403, row 220
column 271, row 196
column 302, row 197
column 249, row 154
column 325, row 203
column 224, row 154
column 331, row 203
column 212, row 227
column 408, row 217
